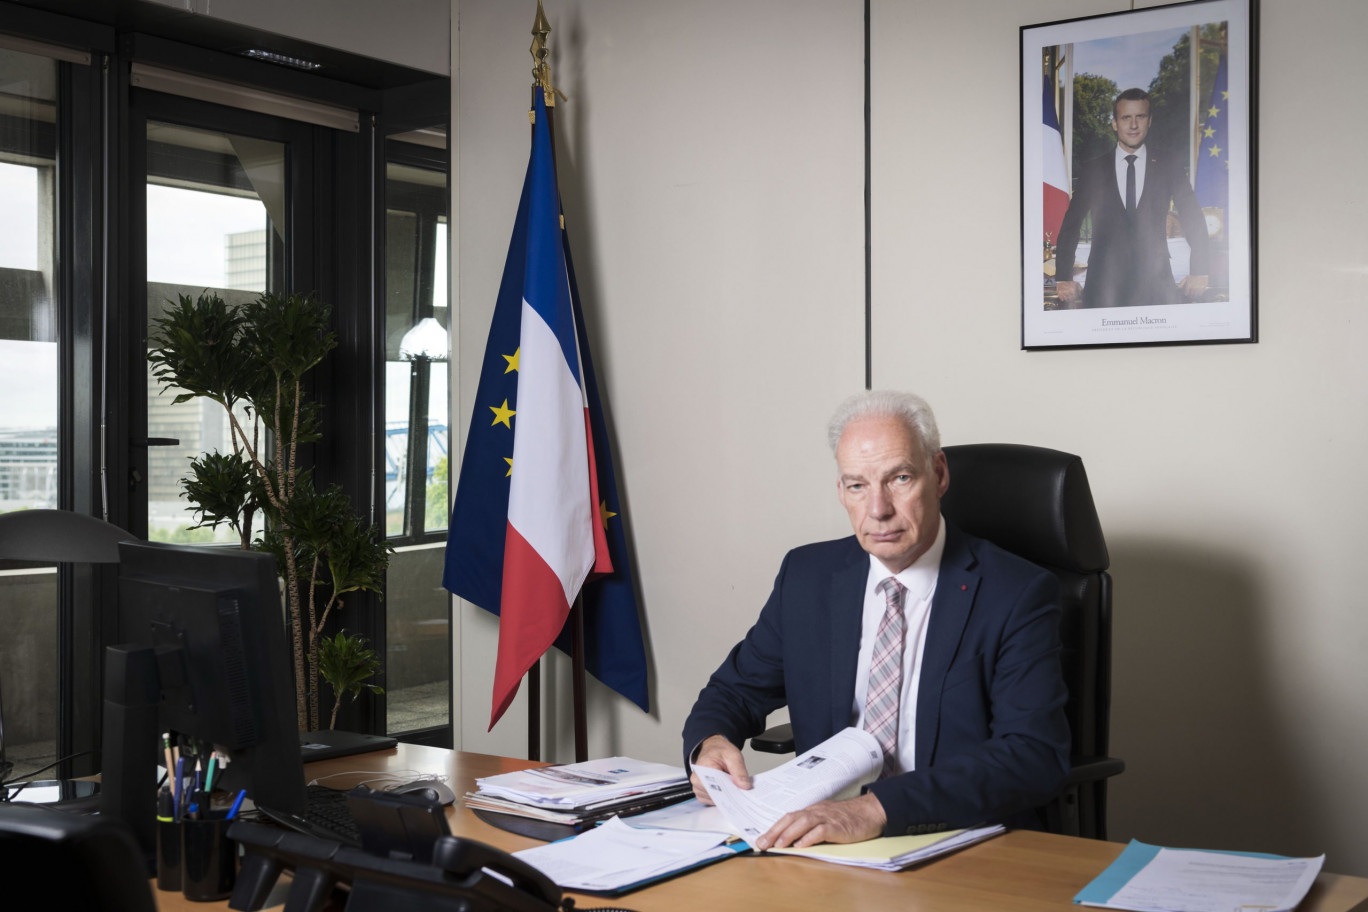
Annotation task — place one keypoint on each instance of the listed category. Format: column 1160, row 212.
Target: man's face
column 891, row 491
column 1131, row 121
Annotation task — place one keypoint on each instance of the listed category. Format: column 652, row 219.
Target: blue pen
column 180, row 784
column 237, row 803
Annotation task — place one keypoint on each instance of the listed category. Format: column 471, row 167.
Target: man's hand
column 1193, row 286
column 720, row 754
column 827, row 821
column 1068, row 292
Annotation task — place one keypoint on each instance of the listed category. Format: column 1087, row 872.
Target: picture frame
column 1130, row 147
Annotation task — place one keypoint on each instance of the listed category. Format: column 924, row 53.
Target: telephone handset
column 463, row 857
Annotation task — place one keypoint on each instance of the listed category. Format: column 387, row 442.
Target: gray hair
column 908, row 408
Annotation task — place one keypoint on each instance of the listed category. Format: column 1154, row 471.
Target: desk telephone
column 408, row 861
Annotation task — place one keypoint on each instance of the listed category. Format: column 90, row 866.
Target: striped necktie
column 885, row 676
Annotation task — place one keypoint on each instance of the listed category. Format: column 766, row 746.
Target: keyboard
column 326, row 816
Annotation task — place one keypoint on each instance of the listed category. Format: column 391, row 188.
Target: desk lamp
column 55, row 536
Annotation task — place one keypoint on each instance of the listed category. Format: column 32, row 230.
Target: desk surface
column 1019, row 871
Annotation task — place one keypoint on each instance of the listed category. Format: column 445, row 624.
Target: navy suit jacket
column 991, row 738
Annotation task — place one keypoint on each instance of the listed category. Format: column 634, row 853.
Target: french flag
column 1052, row 164
column 553, row 539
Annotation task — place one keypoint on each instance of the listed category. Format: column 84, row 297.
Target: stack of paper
column 579, row 792
column 1153, row 879
column 894, row 853
column 614, row 857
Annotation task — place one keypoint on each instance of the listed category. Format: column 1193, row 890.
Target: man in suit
column 954, row 668
column 1129, row 191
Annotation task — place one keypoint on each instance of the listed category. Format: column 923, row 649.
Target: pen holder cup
column 209, row 859
column 169, row 855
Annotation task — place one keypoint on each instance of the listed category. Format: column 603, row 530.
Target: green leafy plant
column 346, row 662
column 252, row 360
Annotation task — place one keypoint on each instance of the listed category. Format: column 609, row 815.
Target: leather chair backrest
column 1036, row 503
column 71, row 861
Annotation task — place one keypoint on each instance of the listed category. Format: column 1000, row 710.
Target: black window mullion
column 79, row 152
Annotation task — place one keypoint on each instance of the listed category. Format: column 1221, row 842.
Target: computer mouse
column 431, row 789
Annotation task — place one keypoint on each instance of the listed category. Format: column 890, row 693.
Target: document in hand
column 894, row 853
column 1148, row 878
column 845, row 761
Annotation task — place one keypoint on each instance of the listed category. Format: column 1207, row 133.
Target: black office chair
column 72, row 861
column 1036, row 503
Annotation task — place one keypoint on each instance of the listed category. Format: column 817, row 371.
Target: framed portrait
column 1137, row 177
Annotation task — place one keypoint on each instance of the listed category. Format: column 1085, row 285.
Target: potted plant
column 347, row 664
column 252, row 360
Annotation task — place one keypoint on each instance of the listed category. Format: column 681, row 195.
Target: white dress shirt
column 920, row 580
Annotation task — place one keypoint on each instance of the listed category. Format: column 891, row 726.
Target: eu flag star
column 510, row 467
column 1208, row 132
column 502, row 414
column 512, row 361
column 1213, row 111
column 1215, row 151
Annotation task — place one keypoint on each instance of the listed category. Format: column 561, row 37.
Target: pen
column 209, row 779
column 237, row 803
column 180, row 784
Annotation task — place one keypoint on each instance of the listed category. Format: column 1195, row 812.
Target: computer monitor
column 204, row 655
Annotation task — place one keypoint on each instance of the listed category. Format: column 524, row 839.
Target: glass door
column 216, row 205
column 216, row 224
column 417, row 419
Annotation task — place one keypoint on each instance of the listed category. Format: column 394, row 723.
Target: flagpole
column 576, row 621
column 534, row 711
column 541, row 78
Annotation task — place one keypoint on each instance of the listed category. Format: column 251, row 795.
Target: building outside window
column 29, row 451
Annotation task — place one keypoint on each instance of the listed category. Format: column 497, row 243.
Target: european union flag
column 1212, row 185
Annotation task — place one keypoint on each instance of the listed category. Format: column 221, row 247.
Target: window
column 215, row 222
column 29, row 420
column 417, row 439
column 125, row 180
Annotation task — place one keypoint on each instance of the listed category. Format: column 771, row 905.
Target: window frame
column 100, row 307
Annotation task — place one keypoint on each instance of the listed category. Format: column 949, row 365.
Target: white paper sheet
column 615, row 855
column 687, row 815
column 1191, row 881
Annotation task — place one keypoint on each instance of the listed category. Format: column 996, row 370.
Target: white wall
column 1228, row 477
column 410, row 32
column 713, row 167
column 711, row 163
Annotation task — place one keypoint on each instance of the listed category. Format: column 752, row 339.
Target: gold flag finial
column 541, row 69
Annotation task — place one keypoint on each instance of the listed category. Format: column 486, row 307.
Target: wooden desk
column 1019, row 871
